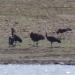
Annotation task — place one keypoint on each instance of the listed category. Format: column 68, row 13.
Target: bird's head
column 57, row 32
column 12, row 30
column 31, row 32
column 69, row 29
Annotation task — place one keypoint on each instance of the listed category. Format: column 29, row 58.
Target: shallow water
column 37, row 69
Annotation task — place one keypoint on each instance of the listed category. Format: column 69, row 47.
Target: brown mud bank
column 41, row 55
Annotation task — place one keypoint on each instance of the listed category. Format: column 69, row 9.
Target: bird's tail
column 42, row 37
column 58, row 40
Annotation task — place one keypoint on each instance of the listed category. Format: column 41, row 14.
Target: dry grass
column 33, row 15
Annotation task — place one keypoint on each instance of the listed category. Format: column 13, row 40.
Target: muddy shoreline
column 42, row 62
column 42, row 56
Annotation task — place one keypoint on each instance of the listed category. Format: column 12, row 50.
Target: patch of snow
column 37, row 69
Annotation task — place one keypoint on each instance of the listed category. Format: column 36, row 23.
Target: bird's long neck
column 46, row 31
column 46, row 34
column 12, row 31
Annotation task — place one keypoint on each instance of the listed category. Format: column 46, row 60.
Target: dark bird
column 52, row 39
column 17, row 38
column 13, row 39
column 35, row 37
column 63, row 30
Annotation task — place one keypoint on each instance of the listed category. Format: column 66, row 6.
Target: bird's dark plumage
column 17, row 38
column 52, row 39
column 13, row 39
column 63, row 30
column 36, row 37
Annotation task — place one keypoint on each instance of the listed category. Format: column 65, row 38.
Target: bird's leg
column 37, row 44
column 33, row 44
column 51, row 45
column 62, row 36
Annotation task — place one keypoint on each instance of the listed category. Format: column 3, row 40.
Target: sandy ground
column 36, row 55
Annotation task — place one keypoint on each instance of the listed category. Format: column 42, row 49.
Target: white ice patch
column 68, row 72
column 37, row 69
